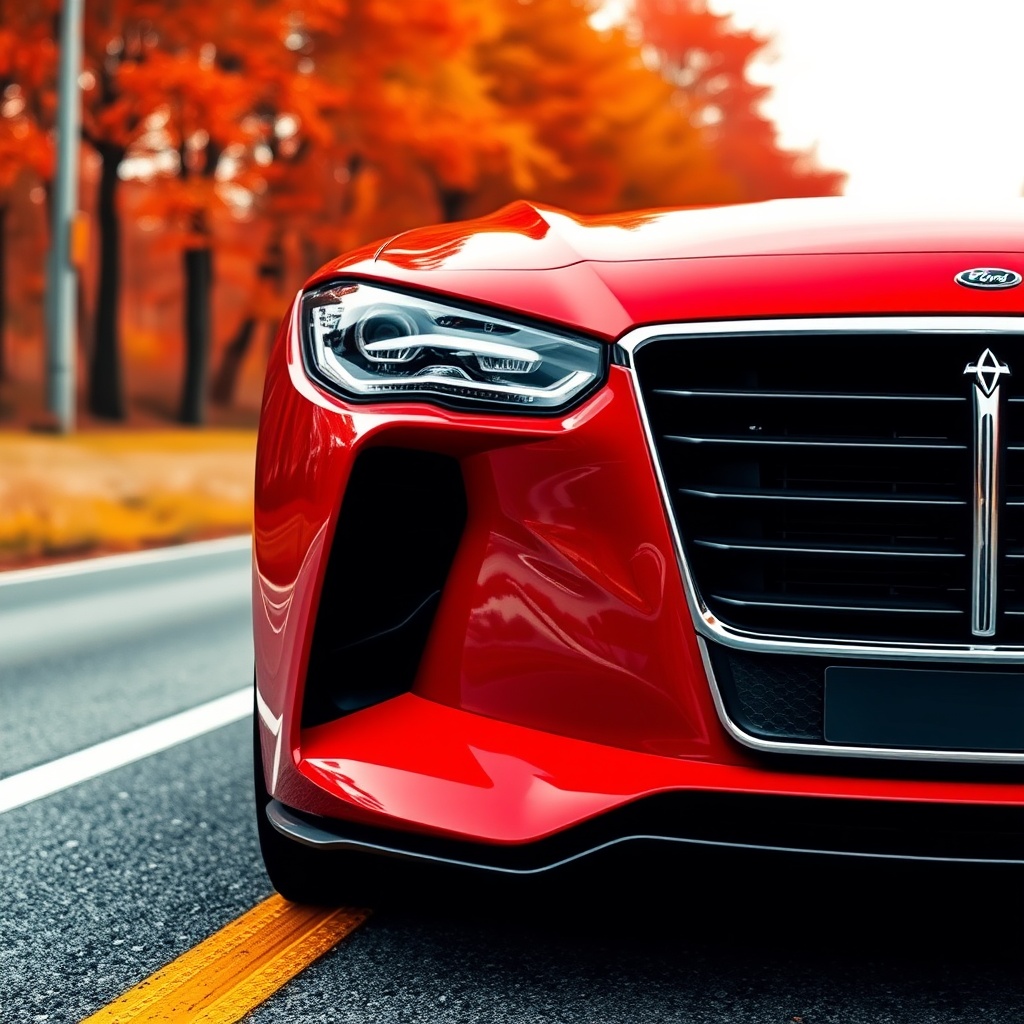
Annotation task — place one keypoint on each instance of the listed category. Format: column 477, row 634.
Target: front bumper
column 936, row 833
column 561, row 683
column 494, row 794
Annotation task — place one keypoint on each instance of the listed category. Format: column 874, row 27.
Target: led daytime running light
column 371, row 343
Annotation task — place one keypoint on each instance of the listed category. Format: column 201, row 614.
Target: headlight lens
column 374, row 344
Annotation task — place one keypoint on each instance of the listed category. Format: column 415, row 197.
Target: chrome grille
column 823, row 482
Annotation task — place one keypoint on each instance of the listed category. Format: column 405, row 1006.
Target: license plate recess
column 924, row 709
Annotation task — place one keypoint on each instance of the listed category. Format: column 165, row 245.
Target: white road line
column 152, row 556
column 46, row 779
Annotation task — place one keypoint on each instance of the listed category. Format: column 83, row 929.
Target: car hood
column 526, row 236
column 607, row 274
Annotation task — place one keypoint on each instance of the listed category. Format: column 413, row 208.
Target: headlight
column 373, row 344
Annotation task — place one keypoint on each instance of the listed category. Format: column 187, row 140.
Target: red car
column 706, row 526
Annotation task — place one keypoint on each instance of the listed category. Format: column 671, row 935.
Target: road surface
column 110, row 873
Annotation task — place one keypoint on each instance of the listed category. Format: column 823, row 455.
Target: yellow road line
column 237, row 968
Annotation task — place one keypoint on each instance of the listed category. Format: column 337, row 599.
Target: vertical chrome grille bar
column 984, row 574
column 986, row 512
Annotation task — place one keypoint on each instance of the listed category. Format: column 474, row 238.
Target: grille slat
column 872, row 499
column 799, row 442
column 815, row 497
column 811, row 395
column 806, row 604
column 855, row 551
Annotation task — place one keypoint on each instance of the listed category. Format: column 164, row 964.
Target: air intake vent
column 824, row 484
column 398, row 530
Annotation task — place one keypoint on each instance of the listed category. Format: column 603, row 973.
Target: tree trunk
column 222, row 390
column 3, row 292
column 312, row 256
column 198, row 285
column 270, row 276
column 106, row 389
column 453, row 203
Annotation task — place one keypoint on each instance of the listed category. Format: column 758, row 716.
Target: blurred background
column 228, row 149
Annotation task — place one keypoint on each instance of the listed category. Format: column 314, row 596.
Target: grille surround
column 711, row 629
column 988, row 331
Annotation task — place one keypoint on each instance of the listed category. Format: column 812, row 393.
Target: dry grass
column 91, row 493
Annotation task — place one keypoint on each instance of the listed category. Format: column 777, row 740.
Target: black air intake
column 400, row 524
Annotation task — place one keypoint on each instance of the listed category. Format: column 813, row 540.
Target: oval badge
column 988, row 277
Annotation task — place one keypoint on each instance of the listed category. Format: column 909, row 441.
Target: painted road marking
column 103, row 563
column 234, row 970
column 52, row 777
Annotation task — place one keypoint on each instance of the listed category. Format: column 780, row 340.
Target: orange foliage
column 299, row 130
column 27, row 60
column 418, row 117
column 621, row 138
column 185, row 89
column 707, row 60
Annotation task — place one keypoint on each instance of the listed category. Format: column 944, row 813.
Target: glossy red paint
column 490, row 781
column 524, row 236
column 547, row 620
column 823, row 257
column 552, row 620
column 562, row 676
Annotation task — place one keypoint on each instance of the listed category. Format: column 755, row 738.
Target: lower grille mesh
column 771, row 696
column 781, row 697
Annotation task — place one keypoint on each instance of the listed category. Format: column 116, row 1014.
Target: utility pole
column 62, row 286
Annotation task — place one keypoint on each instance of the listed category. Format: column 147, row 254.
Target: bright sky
column 910, row 97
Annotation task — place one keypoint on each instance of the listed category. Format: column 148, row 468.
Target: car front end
column 700, row 526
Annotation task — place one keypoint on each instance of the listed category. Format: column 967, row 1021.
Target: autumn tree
column 120, row 42
column 411, row 120
column 466, row 107
column 621, row 136
column 116, row 33
column 27, row 60
column 118, row 36
column 707, row 61
column 10, row 169
column 206, row 103
column 178, row 86
column 332, row 122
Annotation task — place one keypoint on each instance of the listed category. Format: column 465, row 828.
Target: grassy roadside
column 63, row 497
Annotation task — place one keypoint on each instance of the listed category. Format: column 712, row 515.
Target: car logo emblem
column 989, row 370
column 988, row 277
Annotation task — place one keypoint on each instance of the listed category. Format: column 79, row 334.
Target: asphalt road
column 105, row 882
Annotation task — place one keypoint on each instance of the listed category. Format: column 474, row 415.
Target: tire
column 297, row 872
column 302, row 874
